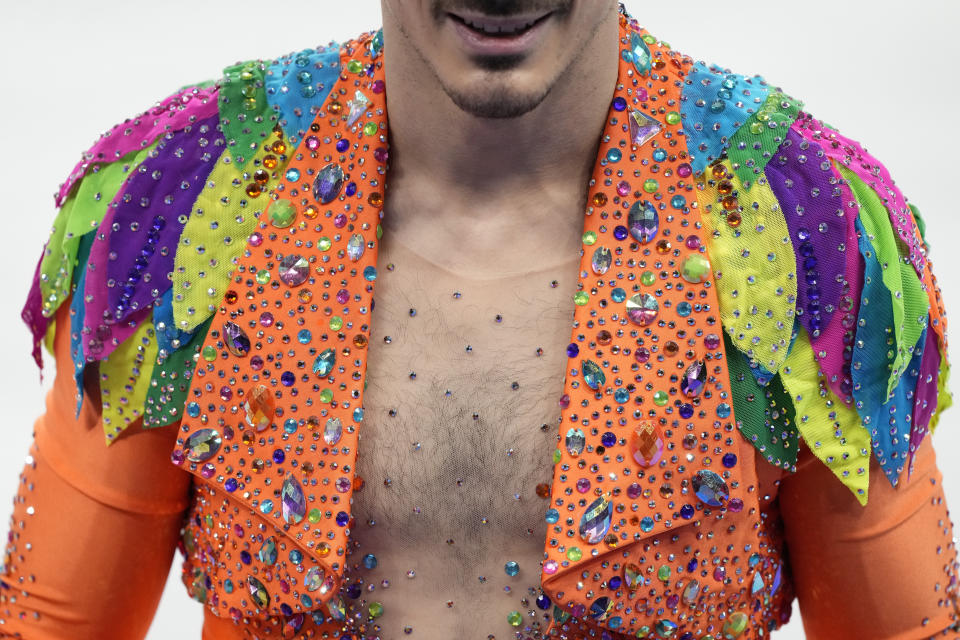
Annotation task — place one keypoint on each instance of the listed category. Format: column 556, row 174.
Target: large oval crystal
column 595, row 521
column 294, row 505
column 327, row 184
column 643, row 221
column 202, row 445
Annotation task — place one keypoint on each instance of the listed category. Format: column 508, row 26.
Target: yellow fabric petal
column 223, row 217
column 754, row 265
column 831, row 429
column 125, row 379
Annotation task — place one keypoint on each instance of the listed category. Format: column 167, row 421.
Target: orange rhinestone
column 270, row 161
column 599, row 199
column 375, row 199
column 254, row 190
column 231, row 297
column 360, row 341
column 310, row 212
column 734, row 219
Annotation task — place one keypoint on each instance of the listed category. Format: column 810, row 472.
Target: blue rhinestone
column 608, row 439
column 266, row 506
column 646, row 524
column 230, row 485
column 684, row 309
column 553, row 516
column 618, row 295
column 293, row 175
column 723, row 410
column 621, row 396
column 729, row 460
column 620, row 232
column 370, row 561
column 290, row 425
column 686, row 512
column 614, row 155
column 193, row 409
column 296, row 556
column 619, row 104
column 370, row 274
column 304, row 336
column 659, row 155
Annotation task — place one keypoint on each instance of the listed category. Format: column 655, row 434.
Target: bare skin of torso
column 464, row 377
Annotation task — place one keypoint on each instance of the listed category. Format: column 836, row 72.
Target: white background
column 881, row 71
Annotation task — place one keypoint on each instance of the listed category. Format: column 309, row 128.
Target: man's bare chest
column 461, row 404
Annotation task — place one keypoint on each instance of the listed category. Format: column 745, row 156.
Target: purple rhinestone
column 343, row 518
column 327, row 184
column 686, row 512
column 615, row 582
column 692, row 565
column 673, row 601
column 686, row 411
column 620, row 232
column 729, row 460
column 245, row 557
column 278, row 456
column 633, row 491
column 342, row 145
column 353, row 591
column 572, row 350
column 735, row 505
column 619, row 104
column 608, row 439
column 711, row 341
column 230, row 485
column 287, row 378
column 351, row 188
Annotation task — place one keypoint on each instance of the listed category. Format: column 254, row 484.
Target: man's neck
column 469, row 194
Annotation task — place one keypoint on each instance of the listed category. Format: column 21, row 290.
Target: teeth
column 494, row 29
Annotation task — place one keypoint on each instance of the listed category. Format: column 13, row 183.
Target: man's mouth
column 499, row 27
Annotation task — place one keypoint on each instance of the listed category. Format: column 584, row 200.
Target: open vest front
column 650, row 472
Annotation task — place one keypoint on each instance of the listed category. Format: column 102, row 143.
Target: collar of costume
column 704, row 186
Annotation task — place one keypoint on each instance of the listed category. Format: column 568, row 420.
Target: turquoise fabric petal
column 77, row 307
column 715, row 104
column 169, row 338
column 297, row 85
column 888, row 420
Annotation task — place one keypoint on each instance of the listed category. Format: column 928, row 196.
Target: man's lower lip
column 479, row 44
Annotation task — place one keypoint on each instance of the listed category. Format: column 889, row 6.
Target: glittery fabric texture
column 758, row 344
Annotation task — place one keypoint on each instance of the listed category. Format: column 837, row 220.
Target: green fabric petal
column 754, row 267
column 224, row 215
column 753, row 145
column 80, row 214
column 124, row 380
column 765, row 415
column 245, row 117
column 910, row 302
column 831, row 429
column 921, row 225
column 170, row 382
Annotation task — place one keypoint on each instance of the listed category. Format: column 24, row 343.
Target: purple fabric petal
column 925, row 398
column 853, row 156
column 102, row 333
column 803, row 181
column 32, row 314
column 172, row 114
column 149, row 219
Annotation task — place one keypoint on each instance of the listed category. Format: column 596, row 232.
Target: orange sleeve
column 883, row 571
column 94, row 528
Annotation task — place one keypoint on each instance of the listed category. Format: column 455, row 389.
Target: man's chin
column 497, row 103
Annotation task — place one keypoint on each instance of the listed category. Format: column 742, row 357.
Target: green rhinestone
column 756, row 128
column 650, row 185
column 735, row 625
column 557, row 456
column 209, row 520
column 660, row 398
column 514, row 618
column 664, row 573
column 589, row 238
column 355, row 66
column 376, row 609
column 324, row 244
column 314, row 516
column 379, row 231
column 336, row 323
column 370, row 128
column 574, row 554
column 648, row 277
column 649, row 39
column 673, row 117
column 209, row 353
column 326, row 396
column 581, row 298
column 263, row 276
column 282, row 213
